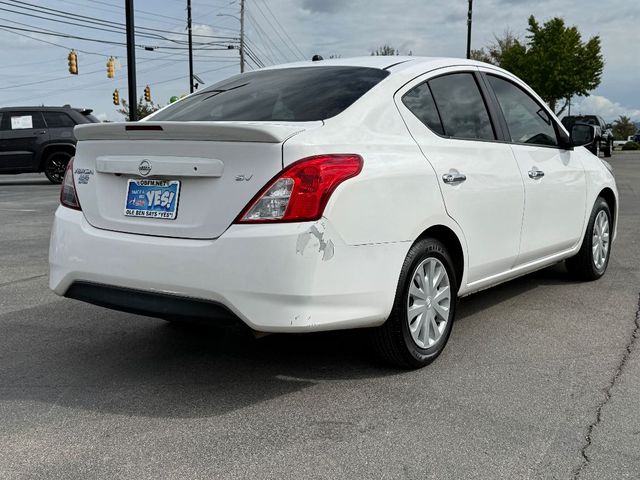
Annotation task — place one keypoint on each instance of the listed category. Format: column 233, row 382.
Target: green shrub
column 631, row 146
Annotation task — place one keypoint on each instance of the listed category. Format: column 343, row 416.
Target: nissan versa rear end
column 330, row 195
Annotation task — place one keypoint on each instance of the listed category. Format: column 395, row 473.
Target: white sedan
column 349, row 193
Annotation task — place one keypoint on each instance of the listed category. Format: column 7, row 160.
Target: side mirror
column 582, row 134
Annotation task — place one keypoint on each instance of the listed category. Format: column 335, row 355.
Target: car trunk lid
column 175, row 179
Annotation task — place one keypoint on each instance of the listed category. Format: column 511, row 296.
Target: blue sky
column 287, row 30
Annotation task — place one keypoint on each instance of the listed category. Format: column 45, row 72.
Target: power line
column 181, row 77
column 119, row 11
column 45, row 41
column 111, row 42
column 259, row 50
column 144, row 12
column 96, row 21
column 253, row 57
column 266, row 40
column 284, row 42
column 266, row 4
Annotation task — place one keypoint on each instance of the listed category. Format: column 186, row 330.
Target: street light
column 241, row 20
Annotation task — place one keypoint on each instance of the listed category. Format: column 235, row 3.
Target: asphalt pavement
column 540, row 379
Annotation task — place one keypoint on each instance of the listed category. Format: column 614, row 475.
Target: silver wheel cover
column 428, row 302
column 600, row 241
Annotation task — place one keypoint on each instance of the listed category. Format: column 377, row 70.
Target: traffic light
column 116, row 97
column 111, row 67
column 147, row 94
column 73, row 62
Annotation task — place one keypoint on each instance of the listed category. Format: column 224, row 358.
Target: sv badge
column 243, row 178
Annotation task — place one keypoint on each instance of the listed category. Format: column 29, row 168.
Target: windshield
column 290, row 94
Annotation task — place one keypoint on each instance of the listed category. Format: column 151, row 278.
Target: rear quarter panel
column 396, row 196
column 598, row 177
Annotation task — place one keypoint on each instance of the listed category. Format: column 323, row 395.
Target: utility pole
column 469, row 17
column 190, row 47
column 241, row 36
column 131, row 62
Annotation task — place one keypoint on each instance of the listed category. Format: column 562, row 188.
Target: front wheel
column 608, row 149
column 55, row 166
column 420, row 323
column 592, row 259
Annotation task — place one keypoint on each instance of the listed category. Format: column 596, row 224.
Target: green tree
column 623, row 128
column 555, row 62
column 144, row 108
column 493, row 52
column 385, row 50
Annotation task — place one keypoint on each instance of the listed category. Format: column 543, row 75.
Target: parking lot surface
column 541, row 379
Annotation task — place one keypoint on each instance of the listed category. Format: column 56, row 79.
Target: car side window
column 527, row 120
column 58, row 120
column 461, row 107
column 420, row 102
column 25, row 120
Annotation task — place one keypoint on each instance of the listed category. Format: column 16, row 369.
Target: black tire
column 393, row 341
column 55, row 165
column 582, row 266
column 608, row 149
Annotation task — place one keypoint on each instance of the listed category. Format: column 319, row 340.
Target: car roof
column 402, row 68
column 385, row 62
column 41, row 108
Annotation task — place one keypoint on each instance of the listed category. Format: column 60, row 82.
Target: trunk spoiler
column 212, row 131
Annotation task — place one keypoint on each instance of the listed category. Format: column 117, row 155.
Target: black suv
column 603, row 141
column 39, row 139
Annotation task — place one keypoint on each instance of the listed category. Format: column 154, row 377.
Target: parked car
column 621, row 143
column 369, row 192
column 604, row 132
column 39, row 139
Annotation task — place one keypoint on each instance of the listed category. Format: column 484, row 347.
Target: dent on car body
column 316, row 231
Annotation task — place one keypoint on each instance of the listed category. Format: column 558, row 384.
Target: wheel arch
column 450, row 239
column 610, row 198
column 54, row 147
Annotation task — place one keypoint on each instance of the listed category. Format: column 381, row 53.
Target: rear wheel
column 608, row 149
column 55, row 165
column 420, row 323
column 592, row 259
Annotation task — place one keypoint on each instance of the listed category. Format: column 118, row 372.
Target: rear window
column 288, row 94
column 58, row 120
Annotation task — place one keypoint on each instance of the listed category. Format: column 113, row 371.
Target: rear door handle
column 453, row 178
column 535, row 173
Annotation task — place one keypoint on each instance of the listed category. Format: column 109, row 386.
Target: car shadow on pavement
column 554, row 275
column 89, row 358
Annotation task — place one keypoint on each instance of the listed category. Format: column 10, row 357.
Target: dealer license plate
column 152, row 198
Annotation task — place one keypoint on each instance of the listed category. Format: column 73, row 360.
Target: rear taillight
column 301, row 191
column 68, row 194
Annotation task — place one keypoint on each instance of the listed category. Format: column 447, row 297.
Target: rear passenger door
column 23, row 135
column 448, row 116
column 60, row 126
column 554, row 178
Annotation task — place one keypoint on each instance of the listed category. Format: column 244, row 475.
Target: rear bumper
column 140, row 302
column 284, row 277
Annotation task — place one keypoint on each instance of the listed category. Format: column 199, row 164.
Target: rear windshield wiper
column 218, row 91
